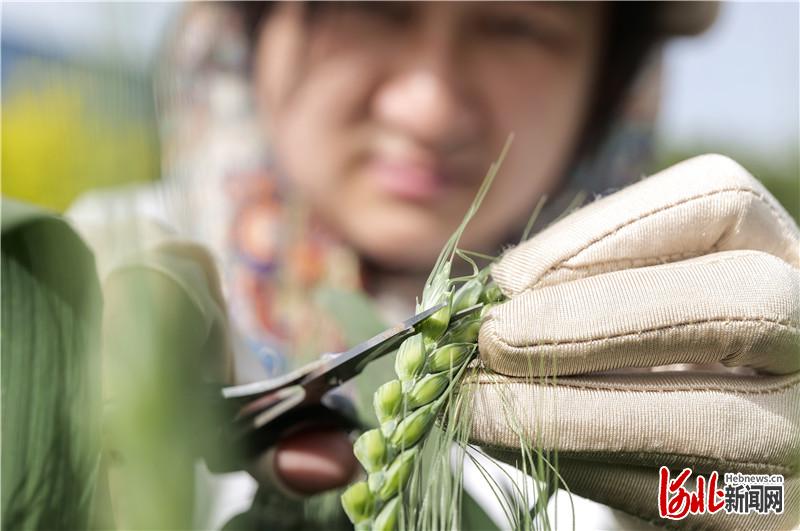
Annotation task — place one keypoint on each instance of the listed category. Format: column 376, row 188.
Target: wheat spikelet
column 429, row 366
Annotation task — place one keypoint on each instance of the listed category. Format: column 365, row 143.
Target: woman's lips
column 410, row 181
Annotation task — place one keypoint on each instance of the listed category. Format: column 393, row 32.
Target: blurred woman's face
column 386, row 116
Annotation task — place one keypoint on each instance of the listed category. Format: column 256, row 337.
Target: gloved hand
column 696, row 265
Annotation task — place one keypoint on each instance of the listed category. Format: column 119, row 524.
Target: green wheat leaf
column 50, row 373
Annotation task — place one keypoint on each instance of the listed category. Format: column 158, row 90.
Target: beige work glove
column 696, row 265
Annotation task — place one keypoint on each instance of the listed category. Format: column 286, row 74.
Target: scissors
column 263, row 412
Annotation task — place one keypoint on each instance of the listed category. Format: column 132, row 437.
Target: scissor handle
column 240, row 447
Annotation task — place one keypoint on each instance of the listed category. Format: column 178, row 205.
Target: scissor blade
column 250, row 390
column 352, row 362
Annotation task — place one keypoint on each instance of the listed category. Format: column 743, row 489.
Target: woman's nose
column 428, row 98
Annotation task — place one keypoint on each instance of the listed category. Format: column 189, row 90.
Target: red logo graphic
column 675, row 501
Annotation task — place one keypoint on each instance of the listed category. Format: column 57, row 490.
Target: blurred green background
column 69, row 126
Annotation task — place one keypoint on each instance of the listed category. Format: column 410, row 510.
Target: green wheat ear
column 429, row 367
